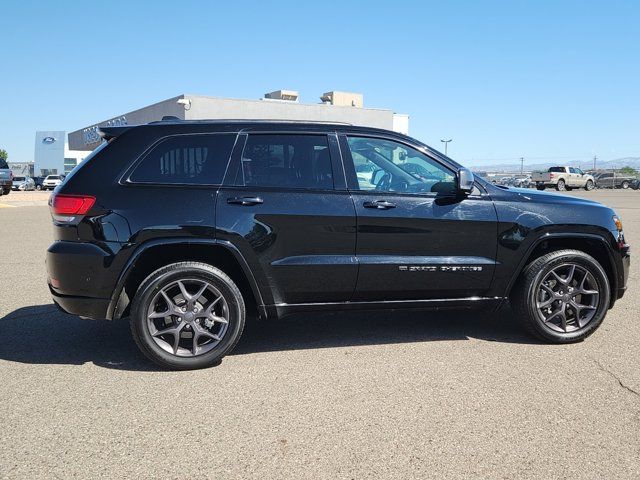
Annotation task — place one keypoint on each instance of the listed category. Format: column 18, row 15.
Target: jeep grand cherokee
column 185, row 227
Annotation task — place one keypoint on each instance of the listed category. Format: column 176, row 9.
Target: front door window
column 388, row 166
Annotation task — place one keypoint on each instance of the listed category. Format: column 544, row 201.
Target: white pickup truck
column 563, row 178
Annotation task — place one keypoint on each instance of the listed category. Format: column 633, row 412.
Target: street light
column 446, row 142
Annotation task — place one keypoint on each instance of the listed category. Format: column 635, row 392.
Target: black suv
column 188, row 226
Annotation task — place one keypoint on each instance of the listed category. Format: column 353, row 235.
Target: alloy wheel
column 567, row 298
column 188, row 317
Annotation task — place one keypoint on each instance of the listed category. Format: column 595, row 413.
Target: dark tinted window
column 557, row 169
column 294, row 161
column 194, row 159
column 3, row 164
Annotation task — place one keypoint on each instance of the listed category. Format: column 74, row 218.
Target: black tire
column 561, row 186
column 181, row 271
column 541, row 187
column 625, row 185
column 589, row 185
column 523, row 299
column 38, row 187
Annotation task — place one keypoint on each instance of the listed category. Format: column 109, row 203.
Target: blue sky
column 540, row 79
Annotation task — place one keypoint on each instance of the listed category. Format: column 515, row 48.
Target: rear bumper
column 85, row 307
column 80, row 279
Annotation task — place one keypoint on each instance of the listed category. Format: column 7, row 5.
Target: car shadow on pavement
column 43, row 334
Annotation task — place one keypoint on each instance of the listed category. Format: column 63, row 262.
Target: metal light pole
column 446, row 142
column 521, row 165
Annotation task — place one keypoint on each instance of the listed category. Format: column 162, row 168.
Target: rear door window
column 186, row 159
column 288, row 161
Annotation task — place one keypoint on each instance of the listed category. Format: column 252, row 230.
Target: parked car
column 187, row 227
column 522, row 181
column 52, row 181
column 38, row 182
column 635, row 184
column 563, row 178
column 6, row 178
column 23, row 183
column 613, row 180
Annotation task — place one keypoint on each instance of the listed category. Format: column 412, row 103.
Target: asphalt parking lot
column 367, row 395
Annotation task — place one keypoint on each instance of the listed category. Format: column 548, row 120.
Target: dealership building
column 279, row 105
column 52, row 155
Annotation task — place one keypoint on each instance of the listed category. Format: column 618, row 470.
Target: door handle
column 379, row 205
column 245, row 201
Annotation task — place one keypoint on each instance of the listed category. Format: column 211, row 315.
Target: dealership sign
column 48, row 140
column 90, row 135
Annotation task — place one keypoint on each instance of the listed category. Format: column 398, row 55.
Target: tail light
column 551, row 175
column 70, row 208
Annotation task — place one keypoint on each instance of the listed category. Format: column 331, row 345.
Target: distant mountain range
column 585, row 165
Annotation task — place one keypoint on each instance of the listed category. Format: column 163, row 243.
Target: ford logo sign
column 48, row 140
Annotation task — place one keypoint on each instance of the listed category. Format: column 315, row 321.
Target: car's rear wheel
column 589, row 185
column 561, row 186
column 7, row 191
column 541, row 186
column 562, row 297
column 625, row 184
column 38, row 187
column 187, row 315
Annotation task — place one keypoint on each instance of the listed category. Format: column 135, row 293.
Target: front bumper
column 624, row 265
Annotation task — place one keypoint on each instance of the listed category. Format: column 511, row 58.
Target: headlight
column 618, row 223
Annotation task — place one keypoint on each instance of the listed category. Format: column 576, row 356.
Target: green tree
column 629, row 171
column 3, row 154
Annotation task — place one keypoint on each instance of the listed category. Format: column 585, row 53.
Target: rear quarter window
column 186, row 159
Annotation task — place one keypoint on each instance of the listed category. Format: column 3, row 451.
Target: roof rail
column 171, row 118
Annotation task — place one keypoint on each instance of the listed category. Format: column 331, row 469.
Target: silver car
column 23, row 183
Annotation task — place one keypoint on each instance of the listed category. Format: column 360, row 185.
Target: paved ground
column 24, row 199
column 333, row 396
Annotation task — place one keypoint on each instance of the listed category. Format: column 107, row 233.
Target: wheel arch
column 157, row 253
column 592, row 244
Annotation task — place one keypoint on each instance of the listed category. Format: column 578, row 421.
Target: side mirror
column 465, row 180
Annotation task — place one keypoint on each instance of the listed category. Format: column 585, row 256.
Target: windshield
column 19, row 179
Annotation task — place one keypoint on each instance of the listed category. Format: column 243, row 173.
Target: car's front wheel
column 562, row 297
column 625, row 184
column 187, row 315
column 589, row 185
